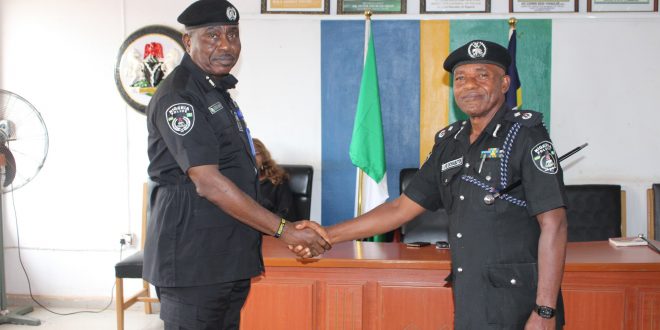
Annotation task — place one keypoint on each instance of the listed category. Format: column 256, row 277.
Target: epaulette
column 448, row 131
column 527, row 118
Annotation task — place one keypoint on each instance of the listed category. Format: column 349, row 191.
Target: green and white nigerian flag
column 367, row 150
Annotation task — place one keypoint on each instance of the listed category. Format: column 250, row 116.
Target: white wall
column 61, row 57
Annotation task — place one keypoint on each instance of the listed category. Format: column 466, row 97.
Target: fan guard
column 23, row 140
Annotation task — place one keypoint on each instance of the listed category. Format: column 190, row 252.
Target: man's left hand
column 536, row 322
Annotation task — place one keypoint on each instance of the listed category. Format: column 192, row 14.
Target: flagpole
column 359, row 192
column 367, row 17
column 512, row 23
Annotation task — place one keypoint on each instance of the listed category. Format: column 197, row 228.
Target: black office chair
column 300, row 182
column 428, row 226
column 595, row 212
column 653, row 206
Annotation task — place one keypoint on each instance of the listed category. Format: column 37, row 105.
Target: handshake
column 306, row 239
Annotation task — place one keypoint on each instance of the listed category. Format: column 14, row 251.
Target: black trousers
column 209, row 307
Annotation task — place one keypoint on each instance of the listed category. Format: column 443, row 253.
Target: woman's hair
column 273, row 172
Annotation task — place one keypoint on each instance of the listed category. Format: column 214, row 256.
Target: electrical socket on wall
column 128, row 238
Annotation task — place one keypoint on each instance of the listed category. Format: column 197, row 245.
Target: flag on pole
column 367, row 149
column 514, row 94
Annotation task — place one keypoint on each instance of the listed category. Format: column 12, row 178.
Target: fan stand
column 6, row 316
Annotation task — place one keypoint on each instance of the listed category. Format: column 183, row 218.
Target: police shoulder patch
column 445, row 132
column 544, row 157
column 180, row 118
column 527, row 118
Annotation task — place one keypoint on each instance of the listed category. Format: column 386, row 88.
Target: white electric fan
column 23, row 150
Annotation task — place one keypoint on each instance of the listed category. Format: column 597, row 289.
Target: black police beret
column 209, row 12
column 478, row 51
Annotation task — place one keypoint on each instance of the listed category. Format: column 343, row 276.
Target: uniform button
column 459, row 235
column 513, row 281
column 467, row 165
column 488, row 177
column 459, row 269
column 462, row 197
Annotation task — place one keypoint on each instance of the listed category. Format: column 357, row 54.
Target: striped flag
column 514, row 94
column 367, row 149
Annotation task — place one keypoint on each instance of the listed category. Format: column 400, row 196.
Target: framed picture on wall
column 375, row 6
column 547, row 6
column 629, row 5
column 145, row 58
column 295, row 6
column 454, row 6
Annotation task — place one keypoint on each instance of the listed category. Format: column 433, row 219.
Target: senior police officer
column 204, row 235
column 507, row 253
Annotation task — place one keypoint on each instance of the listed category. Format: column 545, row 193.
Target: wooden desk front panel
column 612, row 300
column 388, row 286
column 352, row 298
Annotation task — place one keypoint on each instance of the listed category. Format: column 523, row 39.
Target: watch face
column 545, row 312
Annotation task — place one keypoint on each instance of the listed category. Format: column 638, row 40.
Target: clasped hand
column 308, row 239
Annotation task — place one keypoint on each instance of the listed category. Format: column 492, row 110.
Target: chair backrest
column 595, row 212
column 147, row 199
column 653, row 205
column 300, row 182
column 428, row 226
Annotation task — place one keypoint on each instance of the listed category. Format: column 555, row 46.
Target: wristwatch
column 545, row 311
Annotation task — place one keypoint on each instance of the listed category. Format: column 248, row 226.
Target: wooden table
column 363, row 285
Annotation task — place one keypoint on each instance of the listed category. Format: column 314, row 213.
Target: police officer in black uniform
column 204, row 234
column 508, row 249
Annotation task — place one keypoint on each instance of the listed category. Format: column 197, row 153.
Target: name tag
column 452, row 164
column 215, row 108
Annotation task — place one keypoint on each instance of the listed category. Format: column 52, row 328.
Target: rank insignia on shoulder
column 545, row 157
column 444, row 132
column 525, row 117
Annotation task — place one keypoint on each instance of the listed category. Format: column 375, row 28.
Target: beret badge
column 231, row 13
column 477, row 49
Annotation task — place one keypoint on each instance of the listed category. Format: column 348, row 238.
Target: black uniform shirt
column 193, row 121
column 494, row 247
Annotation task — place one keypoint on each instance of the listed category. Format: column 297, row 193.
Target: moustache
column 223, row 57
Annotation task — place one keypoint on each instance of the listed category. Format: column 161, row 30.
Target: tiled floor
column 106, row 320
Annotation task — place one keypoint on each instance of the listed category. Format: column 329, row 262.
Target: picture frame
column 375, row 6
column 145, row 58
column 547, row 6
column 622, row 6
column 454, row 6
column 319, row 7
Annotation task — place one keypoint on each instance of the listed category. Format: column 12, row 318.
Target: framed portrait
column 547, row 6
column 622, row 6
column 295, row 6
column 454, row 6
column 145, row 58
column 375, row 6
